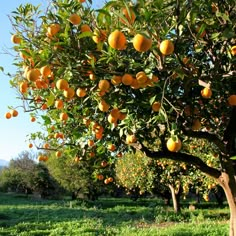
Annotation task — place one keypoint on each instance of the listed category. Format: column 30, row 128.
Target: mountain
column 3, row 162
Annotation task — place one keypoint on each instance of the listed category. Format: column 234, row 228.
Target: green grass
column 21, row 216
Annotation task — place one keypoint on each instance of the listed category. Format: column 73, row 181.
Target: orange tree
column 150, row 72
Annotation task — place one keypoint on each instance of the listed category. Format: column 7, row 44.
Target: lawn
column 22, row 216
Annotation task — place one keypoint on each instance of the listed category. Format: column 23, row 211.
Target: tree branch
column 184, row 157
column 208, row 136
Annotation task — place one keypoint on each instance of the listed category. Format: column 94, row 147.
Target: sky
column 13, row 136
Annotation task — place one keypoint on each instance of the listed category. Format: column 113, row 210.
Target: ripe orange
column 53, row 29
column 173, row 146
column 59, row 104
column 117, row 40
column 100, row 177
column 111, row 119
column 106, row 181
column 85, row 28
column 166, row 47
column 104, row 163
column 115, row 113
column 135, row 84
column 99, row 36
column 80, row 92
column 62, row 84
column 32, row 119
column 110, row 179
column 64, row 116
column 58, row 153
column 15, row 39
column 130, row 139
column 104, row 85
column 7, row 115
column 45, row 71
column 127, row 79
column 233, row 50
column 129, row 15
column 103, row 106
column 90, row 143
column 46, row 146
column 141, row 77
column 206, row 93
column 232, row 100
column 69, row 93
column 111, row 147
column 156, row 106
column 75, row 19
column 30, row 145
column 44, row 106
column 23, row 87
column 116, row 79
column 14, row 113
column 33, row 74
column 141, row 43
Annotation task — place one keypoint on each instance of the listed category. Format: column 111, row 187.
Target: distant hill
column 3, row 162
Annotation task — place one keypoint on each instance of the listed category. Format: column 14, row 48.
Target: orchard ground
column 21, row 215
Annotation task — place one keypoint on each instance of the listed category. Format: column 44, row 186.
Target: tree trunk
column 175, row 199
column 228, row 183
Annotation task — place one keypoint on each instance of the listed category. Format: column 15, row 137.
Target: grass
column 21, row 216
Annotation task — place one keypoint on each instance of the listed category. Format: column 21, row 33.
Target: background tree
column 152, row 72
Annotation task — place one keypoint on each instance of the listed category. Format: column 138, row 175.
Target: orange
column 23, row 87
column 64, row 116
column 111, row 147
column 156, row 106
column 233, row 50
column 166, row 47
column 45, row 71
column 99, row 36
column 127, row 79
column 7, row 115
column 141, row 43
column 100, row 177
column 103, row 106
column 33, row 74
column 232, row 100
column 90, row 143
column 85, row 28
column 69, row 93
column 135, row 84
column 98, row 136
column 106, row 181
column 58, row 154
column 92, row 76
column 59, row 104
column 30, row 145
column 80, row 92
column 117, row 40
column 15, row 39
column 110, row 179
column 104, row 163
column 116, row 79
column 32, row 119
column 46, row 145
column 53, row 29
column 122, row 116
column 62, row 84
column 206, row 93
column 111, row 119
column 75, row 19
column 173, row 146
column 129, row 15
column 14, row 113
column 130, row 139
column 44, row 106
column 104, row 85
column 141, row 77
column 115, row 113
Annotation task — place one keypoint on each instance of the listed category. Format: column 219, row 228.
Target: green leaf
column 50, row 100
column 1, row 69
column 233, row 158
column 152, row 99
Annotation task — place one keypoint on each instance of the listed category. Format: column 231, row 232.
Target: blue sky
column 15, row 130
